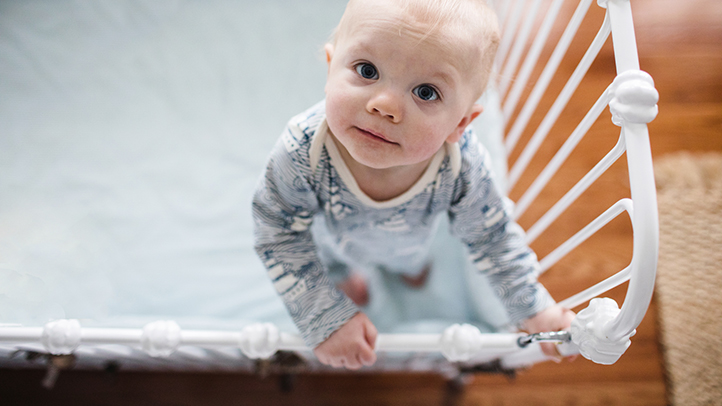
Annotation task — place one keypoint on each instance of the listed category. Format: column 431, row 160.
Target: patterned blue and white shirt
column 310, row 214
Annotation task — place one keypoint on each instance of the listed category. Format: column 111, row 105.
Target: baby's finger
column 365, row 354
column 323, row 359
column 371, row 334
column 353, row 363
column 367, row 357
column 550, row 350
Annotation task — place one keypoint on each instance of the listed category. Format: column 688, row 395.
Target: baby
column 361, row 178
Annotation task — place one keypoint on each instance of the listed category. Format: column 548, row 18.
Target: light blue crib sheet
column 131, row 137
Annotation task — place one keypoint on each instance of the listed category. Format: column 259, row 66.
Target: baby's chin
column 373, row 162
column 380, row 163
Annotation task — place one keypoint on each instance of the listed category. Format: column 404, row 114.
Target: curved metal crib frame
column 600, row 332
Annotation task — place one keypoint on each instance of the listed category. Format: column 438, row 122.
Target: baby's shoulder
column 301, row 128
column 475, row 159
column 469, row 146
column 293, row 149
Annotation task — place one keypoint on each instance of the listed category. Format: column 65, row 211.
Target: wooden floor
column 680, row 44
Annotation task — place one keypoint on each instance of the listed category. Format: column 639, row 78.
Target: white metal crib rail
column 632, row 100
column 600, row 332
column 458, row 343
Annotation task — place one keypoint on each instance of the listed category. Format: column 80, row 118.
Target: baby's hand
column 553, row 318
column 351, row 346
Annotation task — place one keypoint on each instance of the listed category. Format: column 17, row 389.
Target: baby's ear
column 329, row 53
column 473, row 113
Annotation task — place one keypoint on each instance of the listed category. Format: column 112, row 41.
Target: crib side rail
column 641, row 174
column 161, row 339
column 632, row 101
column 631, row 98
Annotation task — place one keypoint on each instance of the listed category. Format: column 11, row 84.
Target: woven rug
column 689, row 280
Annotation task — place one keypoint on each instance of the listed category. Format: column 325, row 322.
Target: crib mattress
column 132, row 137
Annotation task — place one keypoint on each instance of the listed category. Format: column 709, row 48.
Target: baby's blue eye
column 426, row 93
column 367, row 71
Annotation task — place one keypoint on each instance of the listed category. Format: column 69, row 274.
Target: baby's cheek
column 336, row 108
column 426, row 147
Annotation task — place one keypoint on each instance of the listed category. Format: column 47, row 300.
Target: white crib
column 99, row 333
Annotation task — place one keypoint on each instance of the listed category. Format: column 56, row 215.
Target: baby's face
column 392, row 100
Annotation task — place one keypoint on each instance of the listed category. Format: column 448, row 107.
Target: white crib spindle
column 559, row 104
column 517, row 50
column 573, row 193
column 546, row 76
column 596, row 290
column 509, row 29
column 582, row 235
column 521, row 79
column 561, row 156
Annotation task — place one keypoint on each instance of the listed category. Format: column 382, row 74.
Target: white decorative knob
column 589, row 332
column 61, row 337
column 634, row 98
column 160, row 338
column 460, row 342
column 259, row 340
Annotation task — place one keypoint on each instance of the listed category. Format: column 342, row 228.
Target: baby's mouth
column 376, row 135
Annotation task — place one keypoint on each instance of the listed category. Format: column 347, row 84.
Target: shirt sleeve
column 481, row 217
column 284, row 205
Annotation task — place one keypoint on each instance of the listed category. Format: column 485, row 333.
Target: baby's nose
column 387, row 104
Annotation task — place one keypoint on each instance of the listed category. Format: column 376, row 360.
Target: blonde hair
column 467, row 28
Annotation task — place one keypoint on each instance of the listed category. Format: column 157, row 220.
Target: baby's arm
column 483, row 219
column 553, row 318
column 351, row 346
column 284, row 205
